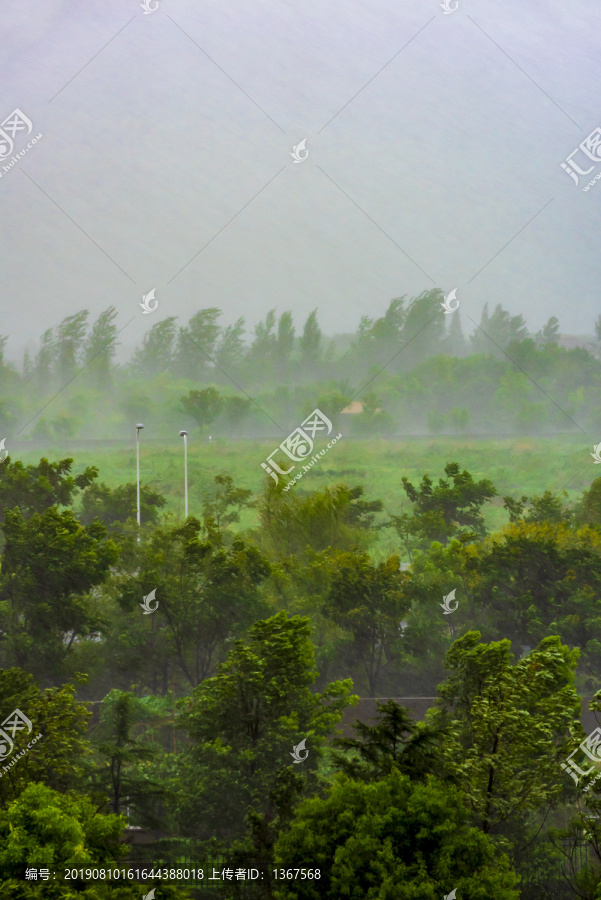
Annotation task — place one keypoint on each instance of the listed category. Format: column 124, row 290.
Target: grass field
column 515, row 465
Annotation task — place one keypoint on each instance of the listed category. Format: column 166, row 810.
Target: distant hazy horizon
column 125, row 349
column 435, row 148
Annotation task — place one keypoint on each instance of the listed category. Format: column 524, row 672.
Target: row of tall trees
column 203, row 350
column 200, row 350
column 412, row 370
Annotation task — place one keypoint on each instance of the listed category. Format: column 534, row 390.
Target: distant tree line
column 202, row 348
column 412, row 370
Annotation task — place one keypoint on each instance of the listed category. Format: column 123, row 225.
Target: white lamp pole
column 139, row 428
column 184, row 434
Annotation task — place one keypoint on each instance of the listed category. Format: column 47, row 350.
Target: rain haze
column 435, row 143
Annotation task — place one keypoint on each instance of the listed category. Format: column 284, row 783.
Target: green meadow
column 515, row 465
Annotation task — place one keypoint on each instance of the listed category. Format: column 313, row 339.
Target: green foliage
column 35, row 488
column 393, row 839
column 582, row 833
column 311, row 341
column 115, row 506
column 100, row 347
column 284, row 344
column 550, row 331
column 395, row 742
column 455, row 343
column 262, row 349
column 588, row 510
column 537, row 579
column 9, row 380
column 42, row 369
column 69, row 600
column 223, row 505
column 332, row 400
column 122, row 777
column 336, row 518
column 372, row 420
column 546, row 508
column 509, row 726
column 50, row 562
column 498, row 331
column 459, row 417
column 369, row 602
column 378, row 338
column 423, row 329
column 243, row 725
column 444, row 511
column 156, row 353
column 437, row 421
column 235, row 410
column 59, row 758
column 204, row 406
column 68, row 343
column 506, row 380
column 531, row 418
column 230, row 350
column 46, row 830
column 196, row 344
column 207, row 593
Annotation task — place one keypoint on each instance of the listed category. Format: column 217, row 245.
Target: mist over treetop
column 411, row 371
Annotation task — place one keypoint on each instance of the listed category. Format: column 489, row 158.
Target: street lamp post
column 139, row 428
column 184, row 434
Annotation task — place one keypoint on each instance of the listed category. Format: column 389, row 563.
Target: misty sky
column 443, row 170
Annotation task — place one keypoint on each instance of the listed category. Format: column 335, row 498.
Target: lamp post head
column 139, row 427
column 183, row 434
